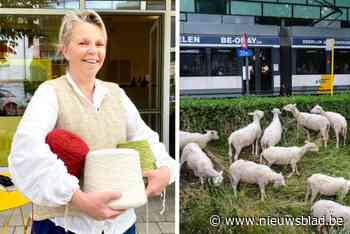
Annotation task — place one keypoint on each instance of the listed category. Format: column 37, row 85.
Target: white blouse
column 43, row 178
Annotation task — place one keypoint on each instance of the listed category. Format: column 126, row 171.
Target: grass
column 198, row 202
column 8, row 126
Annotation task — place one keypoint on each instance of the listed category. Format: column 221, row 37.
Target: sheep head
column 213, row 134
column 290, row 107
column 276, row 111
column 317, row 110
column 217, row 180
column 257, row 114
column 310, row 146
column 279, row 180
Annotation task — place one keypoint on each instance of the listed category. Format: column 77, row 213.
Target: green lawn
column 8, row 126
column 199, row 203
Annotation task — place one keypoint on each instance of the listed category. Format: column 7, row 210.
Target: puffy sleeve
column 35, row 170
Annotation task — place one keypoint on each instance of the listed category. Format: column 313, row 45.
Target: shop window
column 224, row 62
column 310, row 61
column 342, row 61
column 193, row 62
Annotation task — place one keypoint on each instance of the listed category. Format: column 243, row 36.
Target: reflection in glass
column 27, row 58
column 119, row 4
column 70, row 4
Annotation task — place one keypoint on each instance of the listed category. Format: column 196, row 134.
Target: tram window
column 342, row 61
column 224, row 62
column 310, row 61
column 193, row 62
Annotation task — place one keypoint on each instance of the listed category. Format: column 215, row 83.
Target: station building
column 287, row 39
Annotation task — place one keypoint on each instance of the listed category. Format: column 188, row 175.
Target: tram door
column 261, row 77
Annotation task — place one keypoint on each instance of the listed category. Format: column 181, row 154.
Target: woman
column 99, row 112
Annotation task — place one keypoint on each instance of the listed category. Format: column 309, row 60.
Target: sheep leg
column 313, row 196
column 296, row 169
column 238, row 151
column 293, row 170
column 307, row 134
column 256, row 147
column 262, row 191
column 253, row 149
column 337, row 137
column 234, row 184
column 201, row 180
column 307, row 193
column 324, row 137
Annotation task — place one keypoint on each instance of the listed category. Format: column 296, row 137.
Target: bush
column 227, row 115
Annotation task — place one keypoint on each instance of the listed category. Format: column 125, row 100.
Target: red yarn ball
column 70, row 148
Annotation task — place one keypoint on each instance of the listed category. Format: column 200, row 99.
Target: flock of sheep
column 191, row 145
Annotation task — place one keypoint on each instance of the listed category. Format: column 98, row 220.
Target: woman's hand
column 95, row 204
column 157, row 180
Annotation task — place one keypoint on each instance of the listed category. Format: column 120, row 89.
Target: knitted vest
column 100, row 129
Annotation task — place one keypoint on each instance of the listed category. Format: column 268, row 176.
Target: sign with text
column 227, row 40
column 320, row 42
column 244, row 53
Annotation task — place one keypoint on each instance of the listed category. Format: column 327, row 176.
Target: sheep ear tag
column 146, row 155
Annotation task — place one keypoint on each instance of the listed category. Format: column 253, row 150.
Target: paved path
column 158, row 224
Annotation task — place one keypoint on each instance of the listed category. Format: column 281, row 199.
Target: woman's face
column 86, row 50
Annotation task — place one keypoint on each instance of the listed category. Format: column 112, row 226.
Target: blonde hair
column 71, row 18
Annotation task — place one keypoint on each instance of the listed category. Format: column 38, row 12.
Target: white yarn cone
column 116, row 170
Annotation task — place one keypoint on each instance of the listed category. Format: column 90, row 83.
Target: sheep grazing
column 273, row 133
column 287, row 155
column 201, row 165
column 199, row 138
column 326, row 185
column 246, row 136
column 328, row 210
column 254, row 173
column 337, row 121
column 307, row 121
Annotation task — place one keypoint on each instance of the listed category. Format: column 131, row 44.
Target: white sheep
column 326, row 210
column 326, row 185
column 200, row 164
column 273, row 133
column 246, row 136
column 253, row 173
column 307, row 121
column 287, row 155
column 199, row 138
column 337, row 121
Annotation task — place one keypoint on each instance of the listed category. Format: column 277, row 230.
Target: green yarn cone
column 146, row 155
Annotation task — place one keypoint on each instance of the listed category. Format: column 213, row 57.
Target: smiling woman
column 102, row 115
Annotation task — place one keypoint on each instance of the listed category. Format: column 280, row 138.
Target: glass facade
column 301, row 9
column 209, row 62
column 57, row 4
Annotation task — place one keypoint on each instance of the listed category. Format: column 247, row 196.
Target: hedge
column 226, row 115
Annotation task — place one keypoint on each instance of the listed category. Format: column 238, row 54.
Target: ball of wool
column 70, row 148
